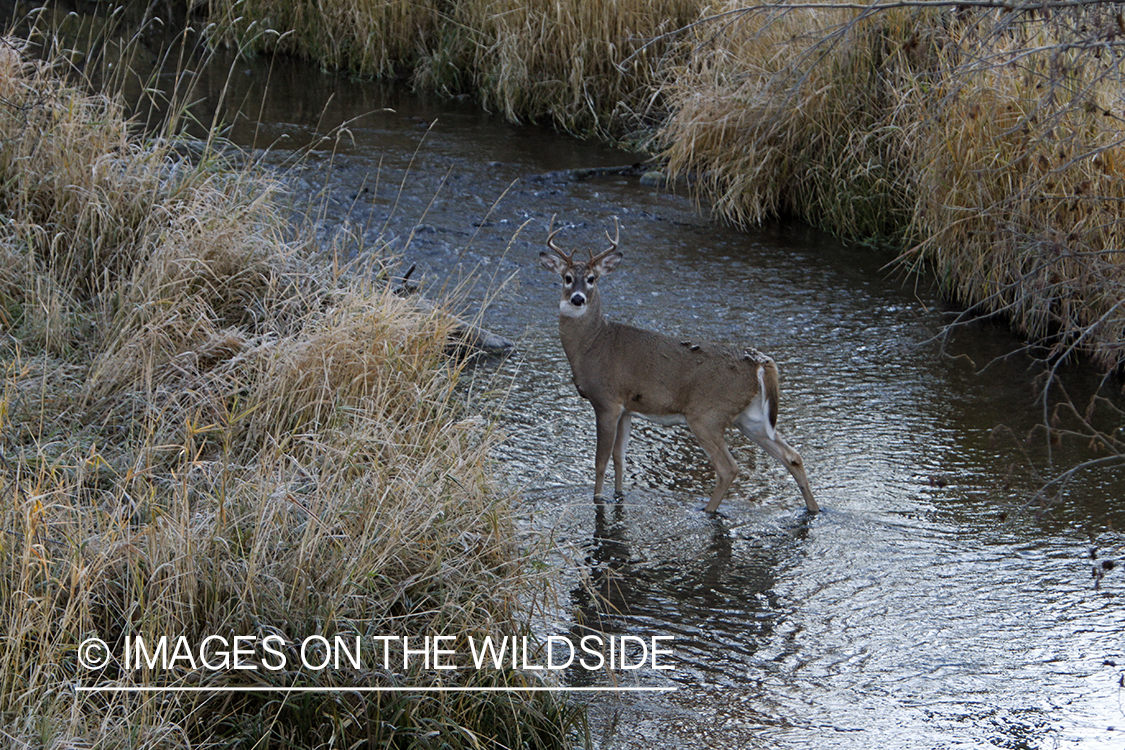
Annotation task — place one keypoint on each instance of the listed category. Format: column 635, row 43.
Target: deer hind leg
column 620, row 444
column 754, row 423
column 710, row 437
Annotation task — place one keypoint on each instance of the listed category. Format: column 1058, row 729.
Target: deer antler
column 612, row 243
column 551, row 243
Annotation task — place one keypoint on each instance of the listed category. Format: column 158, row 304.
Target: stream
column 928, row 605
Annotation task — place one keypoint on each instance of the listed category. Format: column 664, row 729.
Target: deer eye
column 591, row 279
column 568, row 279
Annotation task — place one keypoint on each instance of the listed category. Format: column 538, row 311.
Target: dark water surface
column 921, row 609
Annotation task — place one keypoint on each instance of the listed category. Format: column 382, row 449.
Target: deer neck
column 578, row 332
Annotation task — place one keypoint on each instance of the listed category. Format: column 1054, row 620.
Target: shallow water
column 923, row 608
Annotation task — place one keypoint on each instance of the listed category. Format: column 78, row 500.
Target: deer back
column 652, row 374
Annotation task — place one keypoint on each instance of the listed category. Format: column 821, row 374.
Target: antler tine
column 551, row 242
column 612, row 242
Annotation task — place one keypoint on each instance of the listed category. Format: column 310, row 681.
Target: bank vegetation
column 986, row 141
column 204, row 431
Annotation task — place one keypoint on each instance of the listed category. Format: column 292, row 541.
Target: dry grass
column 372, row 37
column 988, row 143
column 1020, row 181
column 795, row 111
column 202, row 434
column 585, row 66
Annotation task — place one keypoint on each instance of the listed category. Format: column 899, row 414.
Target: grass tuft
column 795, row 112
column 1020, row 181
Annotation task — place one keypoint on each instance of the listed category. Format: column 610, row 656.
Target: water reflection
column 724, row 601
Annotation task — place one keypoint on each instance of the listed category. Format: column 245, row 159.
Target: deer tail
column 767, row 380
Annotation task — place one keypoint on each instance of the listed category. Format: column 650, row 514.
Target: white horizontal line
column 361, row 689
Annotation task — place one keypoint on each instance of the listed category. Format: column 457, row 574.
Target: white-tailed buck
column 625, row 371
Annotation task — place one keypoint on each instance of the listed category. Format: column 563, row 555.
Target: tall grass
column 1020, row 177
column 795, row 111
column 989, row 143
column 383, row 38
column 204, row 433
column 586, row 66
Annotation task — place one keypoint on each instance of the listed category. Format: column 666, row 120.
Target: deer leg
column 608, row 420
column 620, row 444
column 726, row 469
column 772, row 443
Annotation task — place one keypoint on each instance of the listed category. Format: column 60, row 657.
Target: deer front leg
column 620, row 444
column 608, row 419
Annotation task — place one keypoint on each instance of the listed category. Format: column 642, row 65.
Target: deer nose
column 578, row 299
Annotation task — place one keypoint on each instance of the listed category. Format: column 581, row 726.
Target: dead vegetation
column 986, row 140
column 204, row 433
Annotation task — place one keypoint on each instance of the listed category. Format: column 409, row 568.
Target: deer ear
column 608, row 263
column 552, row 262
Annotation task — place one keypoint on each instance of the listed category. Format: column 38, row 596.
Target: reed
column 988, row 143
column 203, row 433
column 1020, row 179
column 585, row 66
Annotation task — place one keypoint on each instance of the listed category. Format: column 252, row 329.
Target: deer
column 625, row 371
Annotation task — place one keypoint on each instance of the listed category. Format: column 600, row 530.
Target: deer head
column 580, row 277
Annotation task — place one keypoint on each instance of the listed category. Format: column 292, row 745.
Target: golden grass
column 372, row 37
column 585, row 66
column 203, row 434
column 1019, row 187
column 991, row 148
column 794, row 111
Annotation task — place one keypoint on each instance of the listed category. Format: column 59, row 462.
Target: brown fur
column 625, row 371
